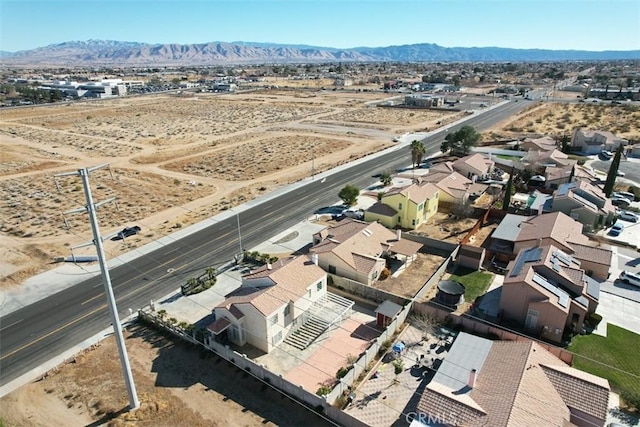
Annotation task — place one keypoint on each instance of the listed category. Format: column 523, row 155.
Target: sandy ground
column 555, row 119
column 177, row 384
column 174, row 160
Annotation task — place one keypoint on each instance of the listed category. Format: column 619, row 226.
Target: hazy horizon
column 518, row 24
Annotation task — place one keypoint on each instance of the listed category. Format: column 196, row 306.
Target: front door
column 532, row 319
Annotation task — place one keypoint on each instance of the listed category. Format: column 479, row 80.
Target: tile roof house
column 546, row 143
column 595, row 141
column 454, row 187
column 473, row 165
column 511, row 383
column 270, row 301
column 406, row 207
column 585, row 203
column 517, row 232
column 356, row 249
column 546, row 291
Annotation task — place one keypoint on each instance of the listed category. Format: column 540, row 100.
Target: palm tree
column 211, row 273
column 385, row 178
column 418, row 151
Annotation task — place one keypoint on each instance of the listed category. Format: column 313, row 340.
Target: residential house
column 270, row 302
column 546, row 291
column 454, row 187
column 585, row 203
column 546, row 143
column 406, row 207
column 473, row 165
column 518, row 232
column 357, row 249
column 594, row 141
column 511, row 383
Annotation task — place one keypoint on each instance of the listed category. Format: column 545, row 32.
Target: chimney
column 314, row 258
column 398, row 234
column 472, row 378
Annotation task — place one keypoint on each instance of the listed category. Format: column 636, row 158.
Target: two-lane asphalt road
column 36, row 333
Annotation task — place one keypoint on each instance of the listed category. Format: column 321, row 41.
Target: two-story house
column 595, row 141
column 518, row 232
column 270, row 302
column 407, row 207
column 357, row 249
column 546, row 291
column 473, row 165
column 585, row 203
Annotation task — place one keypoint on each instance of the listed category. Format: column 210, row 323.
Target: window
column 420, row 206
column 274, row 319
column 413, row 222
column 398, row 218
column 287, row 310
column 532, row 319
column 309, row 293
column 332, row 269
column 399, row 206
column 276, row 338
column 319, row 286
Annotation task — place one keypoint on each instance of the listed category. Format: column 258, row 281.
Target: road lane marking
column 91, row 299
column 4, row 356
column 14, row 323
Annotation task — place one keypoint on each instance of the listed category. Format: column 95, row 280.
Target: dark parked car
column 126, row 232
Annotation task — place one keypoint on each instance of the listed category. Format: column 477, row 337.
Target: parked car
column 630, row 278
column 126, row 232
column 616, row 229
column 628, row 216
column 621, row 202
column 627, row 195
column 605, row 154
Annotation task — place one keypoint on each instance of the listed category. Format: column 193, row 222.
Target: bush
column 398, row 366
column 342, row 372
column 593, row 319
column 323, row 390
column 631, row 399
column 385, row 273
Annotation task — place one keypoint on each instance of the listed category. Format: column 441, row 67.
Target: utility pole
column 106, row 279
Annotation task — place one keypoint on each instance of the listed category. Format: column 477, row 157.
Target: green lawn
column 615, row 357
column 507, row 157
column 475, row 282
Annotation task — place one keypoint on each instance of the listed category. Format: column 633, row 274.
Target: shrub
column 397, row 366
column 631, row 399
column 385, row 273
column 342, row 372
column 323, row 390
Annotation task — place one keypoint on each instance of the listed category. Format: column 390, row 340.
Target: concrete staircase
column 328, row 310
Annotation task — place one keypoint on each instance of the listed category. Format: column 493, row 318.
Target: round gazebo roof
column 451, row 287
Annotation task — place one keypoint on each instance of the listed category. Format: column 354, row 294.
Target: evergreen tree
column 613, row 172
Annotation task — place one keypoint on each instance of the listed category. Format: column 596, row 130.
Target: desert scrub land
column 556, row 119
column 175, row 159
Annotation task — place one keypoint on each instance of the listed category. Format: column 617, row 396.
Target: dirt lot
column 175, row 160
column 446, row 227
column 409, row 282
column 560, row 119
column 177, row 384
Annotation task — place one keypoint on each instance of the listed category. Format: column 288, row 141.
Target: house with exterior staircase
column 287, row 300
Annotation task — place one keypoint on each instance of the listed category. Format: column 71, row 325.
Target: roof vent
column 472, row 378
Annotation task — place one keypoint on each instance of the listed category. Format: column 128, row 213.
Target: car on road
column 620, row 173
column 630, row 278
column 628, row 216
column 605, row 154
column 627, row 195
column 616, row 229
column 621, row 202
column 126, row 232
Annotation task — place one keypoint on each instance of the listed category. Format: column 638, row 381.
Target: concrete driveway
column 618, row 311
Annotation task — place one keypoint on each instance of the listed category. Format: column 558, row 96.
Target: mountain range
column 117, row 53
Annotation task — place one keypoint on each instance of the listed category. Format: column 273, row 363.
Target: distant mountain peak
column 122, row 53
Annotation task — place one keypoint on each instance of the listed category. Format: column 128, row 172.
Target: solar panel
column 555, row 265
column 529, row 255
column 563, row 297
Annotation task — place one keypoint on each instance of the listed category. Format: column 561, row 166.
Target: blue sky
column 560, row 24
